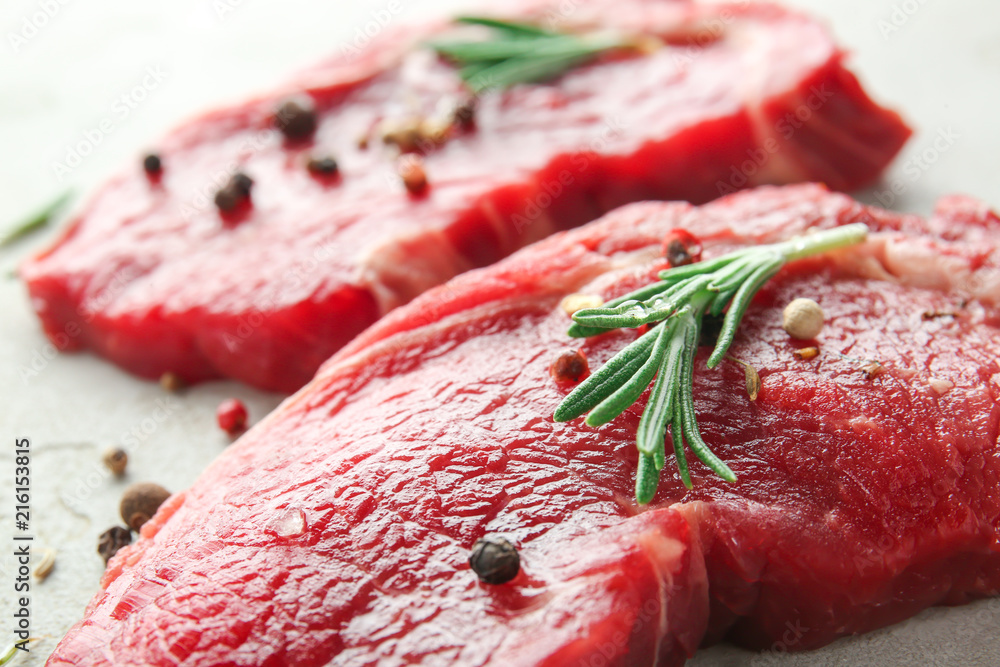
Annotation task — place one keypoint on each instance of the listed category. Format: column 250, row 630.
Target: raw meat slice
column 151, row 276
column 338, row 528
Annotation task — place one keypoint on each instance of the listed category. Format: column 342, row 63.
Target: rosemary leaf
column 629, row 393
column 739, row 307
column 512, row 28
column 604, row 382
column 37, row 220
column 521, row 53
column 675, row 307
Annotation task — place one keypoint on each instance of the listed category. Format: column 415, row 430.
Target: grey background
column 937, row 60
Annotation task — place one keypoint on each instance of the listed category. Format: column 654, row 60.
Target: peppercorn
column 296, row 120
column 234, row 192
column 681, row 247
column 802, row 319
column 570, row 366
column 112, row 540
column 323, row 166
column 464, row 115
column 231, row 415
column 411, row 170
column 572, row 303
column 152, row 164
column 171, row 382
column 140, row 502
column 116, row 460
column 494, row 560
column 241, row 183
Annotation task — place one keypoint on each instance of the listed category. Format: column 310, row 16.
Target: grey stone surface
column 939, row 61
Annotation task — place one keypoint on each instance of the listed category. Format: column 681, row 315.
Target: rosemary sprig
column 674, row 308
column 36, row 220
column 522, row 53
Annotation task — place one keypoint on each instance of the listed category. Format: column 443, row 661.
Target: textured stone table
column 86, row 86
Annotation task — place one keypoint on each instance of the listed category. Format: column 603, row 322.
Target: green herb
column 36, row 221
column 12, row 650
column 674, row 307
column 522, row 53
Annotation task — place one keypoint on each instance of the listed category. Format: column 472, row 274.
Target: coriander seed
column 802, row 319
column 116, row 460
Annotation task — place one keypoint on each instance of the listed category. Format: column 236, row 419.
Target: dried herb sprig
column 674, row 308
column 36, row 220
column 522, row 53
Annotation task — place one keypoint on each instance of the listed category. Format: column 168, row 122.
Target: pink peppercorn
column 232, row 416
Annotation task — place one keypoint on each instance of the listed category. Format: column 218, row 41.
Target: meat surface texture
column 337, row 531
column 151, row 275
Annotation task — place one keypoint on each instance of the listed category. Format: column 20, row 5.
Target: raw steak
column 153, row 277
column 337, row 531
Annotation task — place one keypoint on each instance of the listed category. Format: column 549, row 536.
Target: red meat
column 338, row 529
column 151, row 276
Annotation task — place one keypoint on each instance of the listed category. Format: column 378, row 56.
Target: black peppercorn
column 152, row 164
column 112, row 540
column 295, row 120
column 464, row 115
column 323, row 166
column 234, row 192
column 241, row 183
column 570, row 366
column 677, row 253
column 494, row 560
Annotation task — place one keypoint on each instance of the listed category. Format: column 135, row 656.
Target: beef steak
column 337, row 531
column 157, row 277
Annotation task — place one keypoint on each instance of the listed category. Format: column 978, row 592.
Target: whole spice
column 231, row 416
column 464, row 114
column 681, row 248
column 752, row 379
column 570, row 366
column 152, row 164
column 411, row 170
column 414, row 133
column 116, row 460
column 140, row 502
column 494, row 560
column 323, row 166
column 676, row 307
column 802, row 319
column 872, row 370
column 806, row 353
column 234, row 192
column 296, row 120
column 112, row 540
column 44, row 567
column 171, row 382
column 574, row 302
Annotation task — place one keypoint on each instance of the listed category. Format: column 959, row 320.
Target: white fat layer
column 917, row 262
